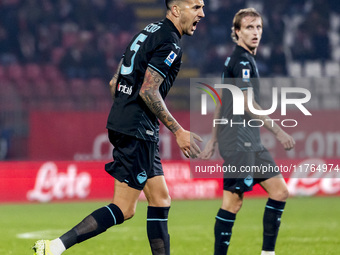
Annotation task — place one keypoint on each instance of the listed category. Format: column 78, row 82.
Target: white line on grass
column 42, row 234
column 299, row 239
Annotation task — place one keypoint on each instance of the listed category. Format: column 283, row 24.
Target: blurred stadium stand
column 60, row 55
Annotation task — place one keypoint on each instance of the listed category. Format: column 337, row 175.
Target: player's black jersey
column 240, row 70
column 157, row 47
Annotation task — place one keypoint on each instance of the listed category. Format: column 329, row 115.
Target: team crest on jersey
column 248, row 181
column 141, row 177
column 170, row 59
column 245, row 75
column 244, row 63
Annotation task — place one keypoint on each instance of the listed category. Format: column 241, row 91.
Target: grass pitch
column 310, row 226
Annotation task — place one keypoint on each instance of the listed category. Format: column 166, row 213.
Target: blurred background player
column 241, row 145
column 143, row 79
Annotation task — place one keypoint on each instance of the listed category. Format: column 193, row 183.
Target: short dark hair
column 238, row 18
column 168, row 3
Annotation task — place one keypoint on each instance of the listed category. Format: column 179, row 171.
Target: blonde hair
column 238, row 19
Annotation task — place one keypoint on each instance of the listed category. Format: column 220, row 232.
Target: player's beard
column 188, row 26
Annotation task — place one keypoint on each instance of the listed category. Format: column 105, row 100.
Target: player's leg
column 159, row 201
column 125, row 169
column 231, row 204
column 234, row 185
column 121, row 208
column 274, row 184
column 278, row 193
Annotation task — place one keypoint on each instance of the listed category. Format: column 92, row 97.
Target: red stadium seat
column 332, row 69
column 32, row 72
column 3, row 77
column 66, row 105
column 7, row 98
column 15, row 72
column 103, row 105
column 51, row 73
column 78, row 87
column 295, row 69
column 57, row 55
column 98, row 89
column 48, row 105
column 24, row 88
column 313, row 69
column 59, row 89
column 41, row 88
column 3, row 73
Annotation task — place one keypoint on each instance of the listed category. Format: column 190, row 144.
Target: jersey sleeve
column 242, row 72
column 164, row 57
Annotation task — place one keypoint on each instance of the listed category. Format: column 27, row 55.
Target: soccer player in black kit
column 240, row 145
column 145, row 75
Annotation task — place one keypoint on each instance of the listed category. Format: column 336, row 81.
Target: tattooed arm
column 153, row 99
column 150, row 94
column 114, row 80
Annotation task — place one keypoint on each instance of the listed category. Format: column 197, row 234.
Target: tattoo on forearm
column 162, row 113
column 158, row 108
column 174, row 127
column 152, row 98
column 156, row 78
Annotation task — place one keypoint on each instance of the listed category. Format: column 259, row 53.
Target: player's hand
column 286, row 140
column 209, row 150
column 186, row 142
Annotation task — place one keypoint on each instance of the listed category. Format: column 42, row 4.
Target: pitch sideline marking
column 46, row 234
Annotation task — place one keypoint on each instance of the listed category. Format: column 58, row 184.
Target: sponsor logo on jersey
column 149, row 132
column 247, row 144
column 124, row 89
column 170, row 59
column 245, row 75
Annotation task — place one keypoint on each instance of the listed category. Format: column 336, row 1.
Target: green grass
column 310, row 226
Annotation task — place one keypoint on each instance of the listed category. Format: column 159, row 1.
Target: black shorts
column 135, row 160
column 245, row 169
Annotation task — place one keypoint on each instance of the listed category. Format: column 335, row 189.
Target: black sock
column 94, row 224
column 223, row 226
column 271, row 223
column 157, row 229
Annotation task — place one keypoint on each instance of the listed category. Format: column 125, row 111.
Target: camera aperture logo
column 204, row 97
column 238, row 105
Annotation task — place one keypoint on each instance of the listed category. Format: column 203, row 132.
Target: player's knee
column 285, row 195
column 281, row 195
column 167, row 201
column 160, row 200
column 164, row 201
column 237, row 206
column 233, row 207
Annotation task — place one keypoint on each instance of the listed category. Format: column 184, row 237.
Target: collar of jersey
column 240, row 48
column 172, row 26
